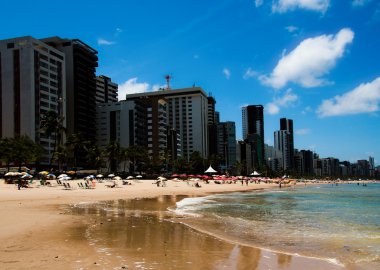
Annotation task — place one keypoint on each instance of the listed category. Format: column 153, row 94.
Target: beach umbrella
column 175, row 175
column 139, row 176
column 9, row 174
column 117, row 178
column 255, row 174
column 210, row 170
column 27, row 176
column 62, row 175
column 99, row 176
column 130, row 177
column 71, row 172
column 111, row 175
column 44, row 172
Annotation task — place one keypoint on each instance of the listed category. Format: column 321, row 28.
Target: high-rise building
column 213, row 120
column 253, row 130
column 303, row 162
column 287, row 124
column 81, row 62
column 371, row 161
column 281, row 143
column 273, row 158
column 32, row 82
column 226, row 141
column 187, row 113
column 141, row 122
column 106, row 90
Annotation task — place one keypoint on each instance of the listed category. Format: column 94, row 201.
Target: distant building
column 81, row 62
column 371, row 161
column 213, row 120
column 282, row 144
column 244, row 156
column 273, row 158
column 287, row 124
column 304, row 162
column 106, row 90
column 226, row 141
column 253, row 130
column 32, row 82
column 187, row 113
column 141, row 122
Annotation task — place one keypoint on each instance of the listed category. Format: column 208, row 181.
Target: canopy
column 210, row 170
column 255, row 173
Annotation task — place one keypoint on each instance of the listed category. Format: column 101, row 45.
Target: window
column 10, row 45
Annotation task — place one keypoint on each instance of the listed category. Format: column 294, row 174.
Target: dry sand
column 35, row 232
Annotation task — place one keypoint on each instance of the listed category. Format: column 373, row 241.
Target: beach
column 39, row 231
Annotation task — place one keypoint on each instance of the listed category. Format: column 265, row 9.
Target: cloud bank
column 227, row 73
column 363, row 99
column 282, row 6
column 288, row 99
column 131, row 86
column 309, row 61
column 102, row 41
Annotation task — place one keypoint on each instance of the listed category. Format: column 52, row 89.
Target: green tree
column 112, row 153
column 138, row 155
column 76, row 146
column 52, row 125
column 20, row 150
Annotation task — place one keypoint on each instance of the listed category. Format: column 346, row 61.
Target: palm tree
column 52, row 124
column 75, row 145
column 112, row 153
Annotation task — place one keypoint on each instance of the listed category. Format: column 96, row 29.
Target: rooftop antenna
column 168, row 78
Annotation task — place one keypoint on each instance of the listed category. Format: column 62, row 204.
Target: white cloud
column 291, row 28
column 102, row 41
column 309, row 61
column 131, row 86
column 363, row 99
column 259, row 3
column 288, row 99
column 306, row 110
column 357, row 3
column 227, row 73
column 250, row 73
column 272, row 108
column 303, row 131
column 282, row 6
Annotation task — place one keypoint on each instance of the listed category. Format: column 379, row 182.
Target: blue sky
column 314, row 61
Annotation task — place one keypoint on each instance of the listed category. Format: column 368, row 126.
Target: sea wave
column 189, row 206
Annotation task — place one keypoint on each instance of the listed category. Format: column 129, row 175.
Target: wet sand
column 39, row 230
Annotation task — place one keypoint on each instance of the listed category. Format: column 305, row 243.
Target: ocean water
column 338, row 223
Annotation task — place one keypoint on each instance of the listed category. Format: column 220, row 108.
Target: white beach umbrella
column 117, row 178
column 99, row 176
column 130, row 177
column 139, row 176
column 62, row 175
column 210, row 170
column 111, row 175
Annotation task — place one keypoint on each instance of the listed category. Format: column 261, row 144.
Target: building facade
column 253, row 130
column 187, row 113
column 106, row 90
column 287, row 125
column 81, row 63
column 226, row 141
column 32, row 82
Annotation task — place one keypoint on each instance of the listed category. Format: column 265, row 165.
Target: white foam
column 187, row 206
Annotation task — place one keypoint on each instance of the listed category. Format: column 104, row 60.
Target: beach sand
column 39, row 231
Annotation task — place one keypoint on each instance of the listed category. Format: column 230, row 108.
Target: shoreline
column 34, row 215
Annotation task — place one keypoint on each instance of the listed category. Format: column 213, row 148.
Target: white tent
column 210, row 170
column 255, row 174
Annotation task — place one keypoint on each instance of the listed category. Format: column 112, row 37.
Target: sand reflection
column 143, row 233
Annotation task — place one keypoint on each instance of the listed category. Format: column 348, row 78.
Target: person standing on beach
column 19, row 183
